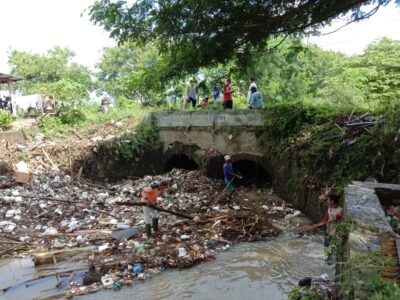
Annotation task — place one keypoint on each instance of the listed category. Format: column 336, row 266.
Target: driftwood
column 43, row 258
column 49, row 159
column 156, row 208
column 82, row 232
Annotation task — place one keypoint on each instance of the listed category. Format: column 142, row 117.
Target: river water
column 262, row 270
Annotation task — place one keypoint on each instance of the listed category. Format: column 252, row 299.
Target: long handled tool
column 155, row 207
column 310, row 228
column 223, row 192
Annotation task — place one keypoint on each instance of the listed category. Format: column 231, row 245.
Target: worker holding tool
column 229, row 175
column 332, row 217
column 331, row 220
column 149, row 196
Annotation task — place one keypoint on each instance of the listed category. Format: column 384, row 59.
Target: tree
column 193, row 34
column 51, row 73
column 134, row 72
column 368, row 80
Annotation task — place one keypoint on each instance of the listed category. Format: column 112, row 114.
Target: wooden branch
column 42, row 258
column 156, row 208
column 49, row 159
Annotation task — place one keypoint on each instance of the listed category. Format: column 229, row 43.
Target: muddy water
column 263, row 270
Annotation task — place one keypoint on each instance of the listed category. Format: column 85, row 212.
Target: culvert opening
column 180, row 161
column 252, row 172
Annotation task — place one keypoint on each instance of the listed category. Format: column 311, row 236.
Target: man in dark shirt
column 229, row 175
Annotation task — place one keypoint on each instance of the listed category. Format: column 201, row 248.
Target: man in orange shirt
column 149, row 196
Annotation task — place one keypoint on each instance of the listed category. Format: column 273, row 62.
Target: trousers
column 149, row 214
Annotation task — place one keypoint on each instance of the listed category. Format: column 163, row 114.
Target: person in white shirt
column 252, row 84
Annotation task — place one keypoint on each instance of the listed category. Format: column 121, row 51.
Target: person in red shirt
column 332, row 219
column 149, row 196
column 228, row 91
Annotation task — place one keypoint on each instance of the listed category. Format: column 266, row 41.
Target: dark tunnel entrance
column 180, row 161
column 251, row 171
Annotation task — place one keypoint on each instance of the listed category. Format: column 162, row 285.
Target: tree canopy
column 193, row 34
column 51, row 73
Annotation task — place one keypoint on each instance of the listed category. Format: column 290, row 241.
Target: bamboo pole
column 156, row 208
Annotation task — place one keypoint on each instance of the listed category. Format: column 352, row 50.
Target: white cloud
column 353, row 38
column 39, row 25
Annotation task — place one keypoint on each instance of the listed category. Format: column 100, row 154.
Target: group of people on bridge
column 254, row 97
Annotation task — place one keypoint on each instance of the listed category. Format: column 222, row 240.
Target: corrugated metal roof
column 5, row 78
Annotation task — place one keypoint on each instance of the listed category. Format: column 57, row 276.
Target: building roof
column 6, row 78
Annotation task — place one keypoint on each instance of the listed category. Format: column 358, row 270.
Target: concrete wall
column 210, row 118
column 228, row 132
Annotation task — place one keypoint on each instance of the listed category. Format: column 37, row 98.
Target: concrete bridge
column 200, row 139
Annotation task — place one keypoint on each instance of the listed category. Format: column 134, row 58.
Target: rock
column 306, row 281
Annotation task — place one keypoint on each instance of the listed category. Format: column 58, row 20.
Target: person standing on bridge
column 228, row 91
column 229, row 175
column 256, row 99
column 191, row 94
column 249, row 92
column 149, row 196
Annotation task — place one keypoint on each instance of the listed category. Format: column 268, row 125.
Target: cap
column 227, row 157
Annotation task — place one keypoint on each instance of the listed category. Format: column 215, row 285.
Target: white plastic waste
column 22, row 167
column 10, row 213
column 182, row 252
column 50, row 231
column 107, row 281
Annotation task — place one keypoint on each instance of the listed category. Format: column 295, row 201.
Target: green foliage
column 72, row 116
column 6, row 120
column 309, row 132
column 304, row 293
column 134, row 72
column 133, row 145
column 220, row 30
column 368, row 268
column 367, row 81
column 52, row 124
column 51, row 73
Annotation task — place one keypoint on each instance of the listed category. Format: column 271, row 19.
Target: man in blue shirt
column 216, row 93
column 256, row 100
column 229, row 175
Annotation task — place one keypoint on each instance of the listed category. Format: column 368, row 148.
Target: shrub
column 72, row 116
column 6, row 120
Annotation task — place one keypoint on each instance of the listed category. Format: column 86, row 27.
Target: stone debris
column 56, row 212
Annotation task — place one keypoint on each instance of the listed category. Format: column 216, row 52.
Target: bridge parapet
column 210, row 118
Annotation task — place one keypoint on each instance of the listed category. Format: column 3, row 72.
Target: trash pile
column 353, row 126
column 55, row 218
column 393, row 215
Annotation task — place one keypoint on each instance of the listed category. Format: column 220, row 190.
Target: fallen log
column 43, row 258
column 156, row 208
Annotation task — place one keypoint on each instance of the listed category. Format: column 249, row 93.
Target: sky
column 38, row 25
